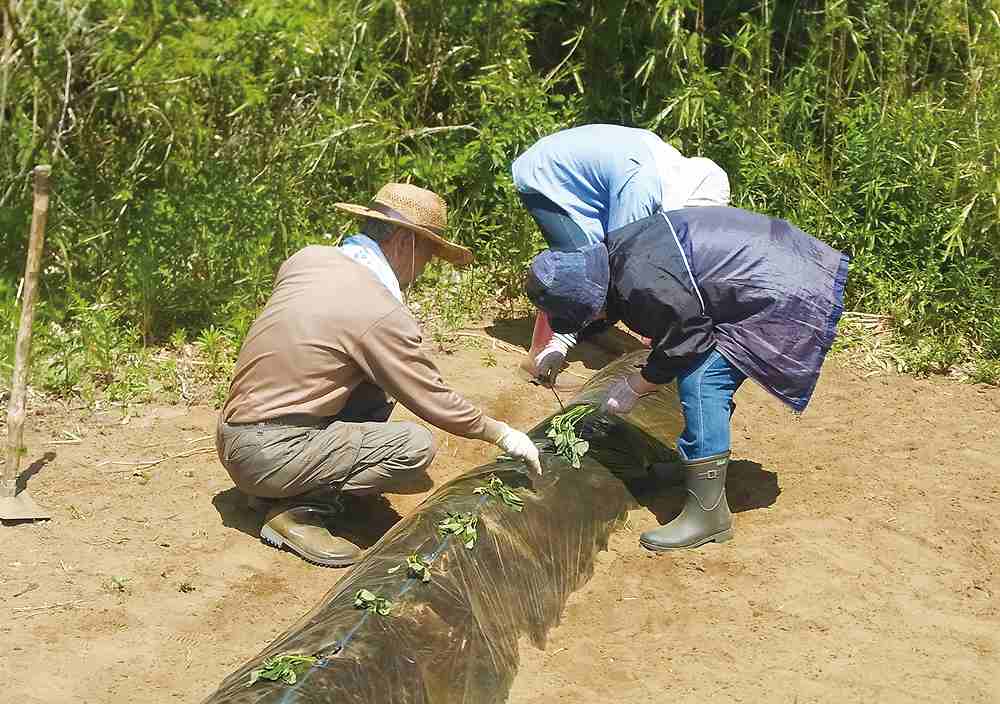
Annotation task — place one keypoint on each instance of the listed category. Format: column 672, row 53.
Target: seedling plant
column 498, row 490
column 286, row 667
column 369, row 601
column 416, row 567
column 562, row 430
column 462, row 525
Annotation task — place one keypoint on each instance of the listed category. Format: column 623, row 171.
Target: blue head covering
column 571, row 287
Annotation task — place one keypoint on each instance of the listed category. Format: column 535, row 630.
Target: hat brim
column 450, row 252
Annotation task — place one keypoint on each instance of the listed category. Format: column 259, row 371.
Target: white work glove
column 550, row 360
column 519, row 446
column 621, row 398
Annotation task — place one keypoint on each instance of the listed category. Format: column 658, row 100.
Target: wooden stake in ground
column 15, row 506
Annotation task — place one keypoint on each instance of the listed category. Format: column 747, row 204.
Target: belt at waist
column 292, row 420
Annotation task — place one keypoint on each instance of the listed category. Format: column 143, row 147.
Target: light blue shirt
column 603, row 176
column 365, row 251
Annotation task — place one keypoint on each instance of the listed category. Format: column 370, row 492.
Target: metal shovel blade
column 21, row 507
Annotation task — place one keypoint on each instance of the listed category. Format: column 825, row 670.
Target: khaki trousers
column 295, row 455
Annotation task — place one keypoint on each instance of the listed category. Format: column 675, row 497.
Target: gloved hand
column 549, row 361
column 519, row 446
column 625, row 393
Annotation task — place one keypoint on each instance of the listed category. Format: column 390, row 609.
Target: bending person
column 581, row 183
column 724, row 294
column 307, row 415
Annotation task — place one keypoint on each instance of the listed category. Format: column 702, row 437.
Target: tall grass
column 197, row 144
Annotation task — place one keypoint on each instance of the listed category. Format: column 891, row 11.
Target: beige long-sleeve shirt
column 328, row 326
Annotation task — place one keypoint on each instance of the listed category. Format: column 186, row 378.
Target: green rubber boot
column 705, row 516
column 668, row 473
column 668, row 469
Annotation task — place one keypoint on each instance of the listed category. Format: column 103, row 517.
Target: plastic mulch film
column 454, row 639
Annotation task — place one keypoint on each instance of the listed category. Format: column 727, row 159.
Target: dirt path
column 866, row 564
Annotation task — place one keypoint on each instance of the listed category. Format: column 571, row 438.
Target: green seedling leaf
column 286, row 667
column 562, row 430
column 498, row 490
column 416, row 567
column 368, row 601
column 462, row 525
column 119, row 585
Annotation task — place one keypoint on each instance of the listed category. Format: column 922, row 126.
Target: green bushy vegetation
column 197, row 143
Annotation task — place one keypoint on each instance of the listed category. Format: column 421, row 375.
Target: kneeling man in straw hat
column 307, row 416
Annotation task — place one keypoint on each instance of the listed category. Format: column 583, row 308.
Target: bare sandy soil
column 866, row 564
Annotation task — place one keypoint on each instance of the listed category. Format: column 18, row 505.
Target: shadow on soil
column 596, row 352
column 365, row 518
column 748, row 486
column 33, row 469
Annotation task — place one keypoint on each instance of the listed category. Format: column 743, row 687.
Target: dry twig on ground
column 145, row 464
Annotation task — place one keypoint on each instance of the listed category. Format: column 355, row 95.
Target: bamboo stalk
column 6, row 58
column 22, row 351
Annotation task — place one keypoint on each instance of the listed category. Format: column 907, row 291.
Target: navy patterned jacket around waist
column 763, row 292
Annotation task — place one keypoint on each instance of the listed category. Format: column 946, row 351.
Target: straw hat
column 416, row 209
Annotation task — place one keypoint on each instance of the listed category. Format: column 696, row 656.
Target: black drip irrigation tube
column 454, row 639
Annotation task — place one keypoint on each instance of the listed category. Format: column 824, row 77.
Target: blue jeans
column 706, row 393
column 558, row 228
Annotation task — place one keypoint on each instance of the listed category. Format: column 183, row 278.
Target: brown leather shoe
column 302, row 529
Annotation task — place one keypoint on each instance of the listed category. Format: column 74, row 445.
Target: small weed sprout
column 368, row 601
column 119, row 585
column 286, row 668
column 178, row 338
column 498, row 490
column 563, row 432
column 462, row 525
column 986, row 372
